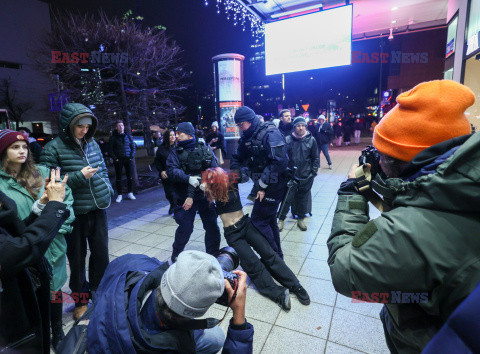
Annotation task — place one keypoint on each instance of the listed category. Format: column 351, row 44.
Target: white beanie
column 192, row 284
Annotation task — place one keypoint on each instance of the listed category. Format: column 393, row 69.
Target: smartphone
column 97, row 165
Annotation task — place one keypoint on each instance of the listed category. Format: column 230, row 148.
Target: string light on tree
column 240, row 16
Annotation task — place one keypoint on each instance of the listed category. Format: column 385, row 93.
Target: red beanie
column 8, row 137
column 428, row 114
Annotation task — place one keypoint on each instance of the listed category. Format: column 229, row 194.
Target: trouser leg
column 168, row 189
column 264, row 214
column 208, row 341
column 324, row 149
column 301, row 195
column 208, row 215
column 118, row 175
column 98, row 243
column 184, row 219
column 272, row 261
column 250, row 263
column 127, row 163
column 76, row 254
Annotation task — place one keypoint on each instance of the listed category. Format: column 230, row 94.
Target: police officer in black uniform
column 262, row 156
column 184, row 168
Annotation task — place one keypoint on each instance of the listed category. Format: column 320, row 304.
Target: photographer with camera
column 422, row 254
column 153, row 306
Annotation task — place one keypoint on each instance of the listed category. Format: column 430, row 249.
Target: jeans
column 357, row 136
column 127, row 163
column 185, row 218
column 93, row 227
column 208, row 341
column 324, row 148
column 339, row 141
column 264, row 214
column 243, row 236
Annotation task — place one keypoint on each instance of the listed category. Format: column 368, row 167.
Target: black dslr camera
column 371, row 156
column 229, row 260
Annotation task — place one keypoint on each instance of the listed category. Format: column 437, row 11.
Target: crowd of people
column 423, row 243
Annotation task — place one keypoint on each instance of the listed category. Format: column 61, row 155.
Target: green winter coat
column 429, row 242
column 56, row 252
column 63, row 151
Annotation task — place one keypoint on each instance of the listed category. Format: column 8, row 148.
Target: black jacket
column 273, row 151
column 285, row 129
column 303, row 154
column 219, row 144
column 324, row 133
column 36, row 150
column 161, row 158
column 122, row 146
column 24, row 316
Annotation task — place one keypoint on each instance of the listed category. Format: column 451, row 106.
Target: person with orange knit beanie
column 419, row 258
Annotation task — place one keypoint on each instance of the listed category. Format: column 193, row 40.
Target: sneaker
column 301, row 225
column 301, row 294
column 280, row 225
column 330, row 166
column 131, row 196
column 119, row 199
column 284, row 301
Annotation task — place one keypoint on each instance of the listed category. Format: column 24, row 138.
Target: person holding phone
column 77, row 153
column 24, row 182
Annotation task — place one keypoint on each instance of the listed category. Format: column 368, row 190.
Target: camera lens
column 228, row 259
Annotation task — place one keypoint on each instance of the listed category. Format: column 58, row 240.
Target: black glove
column 348, row 187
column 244, row 177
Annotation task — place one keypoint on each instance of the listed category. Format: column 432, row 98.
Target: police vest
column 196, row 160
column 256, row 150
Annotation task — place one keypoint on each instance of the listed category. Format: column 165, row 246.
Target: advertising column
column 228, row 76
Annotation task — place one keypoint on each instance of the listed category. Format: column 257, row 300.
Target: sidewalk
column 331, row 324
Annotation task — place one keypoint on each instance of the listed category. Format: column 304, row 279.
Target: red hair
column 218, row 183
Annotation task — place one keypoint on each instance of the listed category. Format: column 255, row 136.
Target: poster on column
column 230, row 80
column 227, row 123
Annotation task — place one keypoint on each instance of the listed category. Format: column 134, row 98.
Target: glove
column 348, row 187
column 194, row 181
column 244, row 175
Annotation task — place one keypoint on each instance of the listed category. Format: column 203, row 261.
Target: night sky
column 198, row 29
column 202, row 34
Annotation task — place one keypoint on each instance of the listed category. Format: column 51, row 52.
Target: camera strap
column 363, row 178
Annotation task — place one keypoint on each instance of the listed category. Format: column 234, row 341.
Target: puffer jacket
column 56, row 252
column 303, row 154
column 122, row 146
column 63, row 151
column 427, row 247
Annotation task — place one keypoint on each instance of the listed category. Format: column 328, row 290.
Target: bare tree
column 9, row 100
column 131, row 73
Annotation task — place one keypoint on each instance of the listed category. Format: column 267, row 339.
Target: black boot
column 57, row 334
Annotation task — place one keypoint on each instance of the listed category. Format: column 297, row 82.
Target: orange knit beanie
column 428, row 114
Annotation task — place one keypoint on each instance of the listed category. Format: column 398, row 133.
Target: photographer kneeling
column 145, row 306
column 420, row 257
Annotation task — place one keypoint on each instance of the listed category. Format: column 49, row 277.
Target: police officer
column 184, row 167
column 262, row 156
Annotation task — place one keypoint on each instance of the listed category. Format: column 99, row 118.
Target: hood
column 448, row 181
column 70, row 113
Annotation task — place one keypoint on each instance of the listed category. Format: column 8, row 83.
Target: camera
column 371, row 156
column 229, row 260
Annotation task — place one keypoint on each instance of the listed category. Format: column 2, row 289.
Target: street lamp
column 175, row 112
column 199, row 115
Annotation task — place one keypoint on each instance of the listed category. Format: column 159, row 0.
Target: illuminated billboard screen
column 317, row 40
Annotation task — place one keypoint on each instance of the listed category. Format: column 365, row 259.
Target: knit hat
column 245, row 114
column 187, row 128
column 8, row 137
column 428, row 114
column 299, row 120
column 192, row 284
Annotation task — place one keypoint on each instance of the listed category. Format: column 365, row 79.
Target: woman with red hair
column 222, row 187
